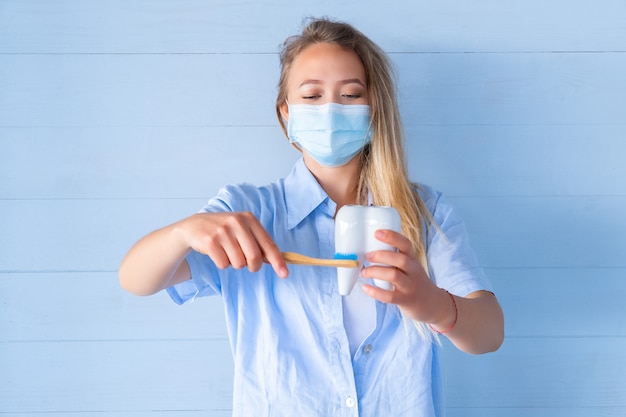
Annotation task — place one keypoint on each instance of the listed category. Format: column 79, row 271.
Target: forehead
column 326, row 62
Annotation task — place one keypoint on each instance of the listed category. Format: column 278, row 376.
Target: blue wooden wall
column 118, row 117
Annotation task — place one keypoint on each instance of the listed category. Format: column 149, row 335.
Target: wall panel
column 89, row 306
column 197, row 26
column 239, row 89
column 193, row 162
column 562, row 372
column 115, row 376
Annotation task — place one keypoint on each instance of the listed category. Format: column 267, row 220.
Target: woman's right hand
column 157, row 261
column 233, row 239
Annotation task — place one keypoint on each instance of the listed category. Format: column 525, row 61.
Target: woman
column 299, row 347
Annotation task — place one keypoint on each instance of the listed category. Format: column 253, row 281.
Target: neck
column 340, row 183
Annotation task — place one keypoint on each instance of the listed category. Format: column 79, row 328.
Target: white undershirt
column 359, row 309
column 359, row 316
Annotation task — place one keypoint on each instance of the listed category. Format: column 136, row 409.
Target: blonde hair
column 383, row 170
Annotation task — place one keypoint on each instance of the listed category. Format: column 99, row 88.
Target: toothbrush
column 340, row 261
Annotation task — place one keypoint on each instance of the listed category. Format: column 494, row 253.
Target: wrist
column 449, row 313
column 180, row 237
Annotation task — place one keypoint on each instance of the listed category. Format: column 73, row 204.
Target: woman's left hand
column 412, row 290
column 480, row 325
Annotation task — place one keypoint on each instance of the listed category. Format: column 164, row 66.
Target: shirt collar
column 303, row 194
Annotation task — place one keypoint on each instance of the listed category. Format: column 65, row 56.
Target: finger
column 395, row 239
column 393, row 276
column 244, row 241
column 276, row 260
column 218, row 256
column 384, row 296
column 268, row 250
column 230, row 239
column 227, row 241
column 393, row 259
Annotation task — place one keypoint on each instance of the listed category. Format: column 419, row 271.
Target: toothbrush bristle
column 348, row 256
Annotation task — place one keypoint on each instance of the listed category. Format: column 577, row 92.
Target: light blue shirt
column 289, row 344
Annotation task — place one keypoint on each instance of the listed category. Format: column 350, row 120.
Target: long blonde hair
column 383, row 170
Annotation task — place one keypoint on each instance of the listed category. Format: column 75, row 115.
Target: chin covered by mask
column 332, row 134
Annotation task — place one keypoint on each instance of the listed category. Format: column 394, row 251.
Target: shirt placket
column 338, row 348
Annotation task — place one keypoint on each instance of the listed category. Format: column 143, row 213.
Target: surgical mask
column 332, row 134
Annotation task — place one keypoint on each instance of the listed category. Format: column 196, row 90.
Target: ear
column 284, row 111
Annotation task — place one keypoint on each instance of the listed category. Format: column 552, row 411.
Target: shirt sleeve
column 452, row 263
column 205, row 275
column 204, row 280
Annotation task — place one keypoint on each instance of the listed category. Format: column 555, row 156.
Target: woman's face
column 325, row 73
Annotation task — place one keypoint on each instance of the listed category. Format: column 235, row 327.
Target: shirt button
column 367, row 349
column 350, row 402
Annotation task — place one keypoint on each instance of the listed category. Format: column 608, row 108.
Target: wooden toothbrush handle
column 299, row 259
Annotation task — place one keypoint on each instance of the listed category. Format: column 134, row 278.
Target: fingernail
column 283, row 272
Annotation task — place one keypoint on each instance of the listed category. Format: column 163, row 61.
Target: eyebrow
column 344, row 82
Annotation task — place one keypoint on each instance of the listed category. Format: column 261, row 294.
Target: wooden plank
column 512, row 89
column 138, row 162
column 536, row 303
column 145, row 413
column 196, row 26
column 194, row 162
column 510, row 232
column 546, row 232
column 544, row 160
column 530, row 373
column 92, row 307
column 80, row 235
column 537, row 412
column 435, row 89
column 77, row 377
column 567, row 302
column 137, row 90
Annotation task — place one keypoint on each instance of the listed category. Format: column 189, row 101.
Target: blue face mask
column 332, row 134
